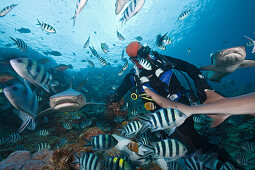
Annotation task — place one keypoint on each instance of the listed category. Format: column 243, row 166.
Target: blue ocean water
column 211, row 26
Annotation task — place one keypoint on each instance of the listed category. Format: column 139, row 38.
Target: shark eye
column 74, row 98
column 19, row 61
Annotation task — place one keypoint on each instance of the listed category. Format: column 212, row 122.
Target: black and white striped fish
column 169, row 148
column 131, row 129
column 79, row 6
column 145, row 63
column 102, row 60
column 120, row 37
column 7, row 9
column 48, row 28
column 164, row 118
column 248, row 146
column 243, row 160
column 125, row 65
column 20, row 43
column 192, row 163
column 42, row 146
column 184, row 14
column 43, row 132
column 102, row 142
column 86, row 123
column 144, row 138
column 67, row 125
column 116, row 163
column 3, row 140
column 173, row 165
column 14, row 137
column 133, row 8
column 88, row 161
column 227, row 166
column 33, row 72
column 201, row 119
column 121, row 72
column 20, row 147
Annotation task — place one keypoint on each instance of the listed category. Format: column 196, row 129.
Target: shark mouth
column 66, row 105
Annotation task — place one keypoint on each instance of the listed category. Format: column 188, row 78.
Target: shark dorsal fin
column 81, row 85
column 71, row 83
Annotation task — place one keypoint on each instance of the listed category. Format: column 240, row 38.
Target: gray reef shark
column 226, row 62
column 70, row 100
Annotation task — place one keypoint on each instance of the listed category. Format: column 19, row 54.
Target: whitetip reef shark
column 70, row 100
column 216, row 106
column 226, row 62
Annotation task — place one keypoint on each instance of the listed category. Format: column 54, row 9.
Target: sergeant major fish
column 184, row 14
column 88, row 161
column 86, row 43
column 102, row 142
column 252, row 43
column 48, row 28
column 134, row 7
column 20, row 43
column 120, row 37
column 33, row 72
column 79, row 6
column 119, row 5
column 131, row 129
column 6, row 10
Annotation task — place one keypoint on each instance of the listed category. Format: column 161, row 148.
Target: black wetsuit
column 186, row 131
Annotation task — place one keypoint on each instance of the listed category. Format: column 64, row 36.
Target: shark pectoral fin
column 209, row 68
column 26, row 118
column 217, row 119
column 248, row 63
column 95, row 103
column 45, row 112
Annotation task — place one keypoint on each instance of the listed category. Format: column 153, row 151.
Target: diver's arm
column 123, row 88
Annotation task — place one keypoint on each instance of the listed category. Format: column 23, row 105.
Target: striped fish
column 144, row 138
column 145, row 63
column 20, row 147
column 7, row 9
column 184, row 14
column 43, row 132
column 201, row 119
column 93, row 51
column 125, row 65
column 120, row 37
column 248, row 146
column 33, row 72
column 173, row 165
column 3, row 140
column 170, row 148
column 192, row 164
column 86, row 123
column 133, row 146
column 42, row 146
column 102, row 60
column 79, row 6
column 119, row 5
column 102, row 142
column 48, row 28
column 20, row 43
column 131, row 129
column 134, row 7
column 227, row 166
column 116, row 163
column 14, row 137
column 121, row 72
column 86, row 43
column 164, row 118
column 67, row 126
column 88, row 161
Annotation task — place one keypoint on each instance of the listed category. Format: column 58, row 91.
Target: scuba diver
column 158, row 72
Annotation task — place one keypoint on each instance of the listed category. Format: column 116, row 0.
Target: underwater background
column 212, row 25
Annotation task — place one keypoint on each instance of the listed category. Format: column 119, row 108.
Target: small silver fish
column 86, row 43
column 125, row 66
column 43, row 132
column 7, row 9
column 48, row 28
column 121, row 72
column 104, row 47
column 121, row 38
column 139, row 38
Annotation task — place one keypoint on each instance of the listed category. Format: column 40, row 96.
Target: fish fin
column 217, row 119
column 209, row 68
column 26, row 118
column 146, row 124
column 32, row 125
column 248, row 63
column 81, row 85
column 76, row 158
column 39, row 23
column 96, row 103
column 52, row 88
column 44, row 112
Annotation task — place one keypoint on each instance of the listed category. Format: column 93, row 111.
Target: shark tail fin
column 26, row 118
